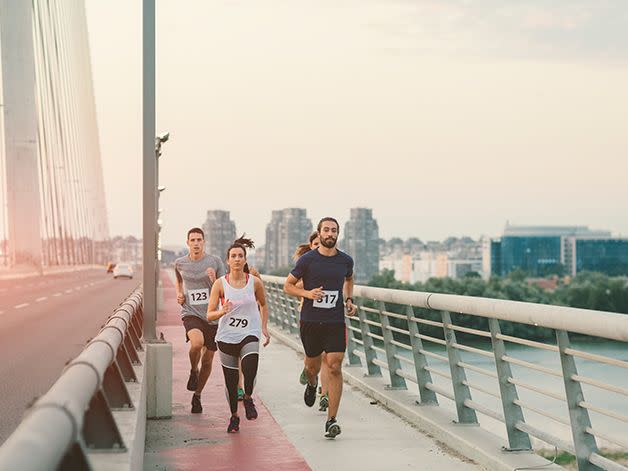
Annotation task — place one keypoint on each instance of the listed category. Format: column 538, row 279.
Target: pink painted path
column 200, row 441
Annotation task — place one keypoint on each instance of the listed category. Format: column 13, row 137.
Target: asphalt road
column 44, row 322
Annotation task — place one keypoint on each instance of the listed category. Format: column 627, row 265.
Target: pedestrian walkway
column 287, row 435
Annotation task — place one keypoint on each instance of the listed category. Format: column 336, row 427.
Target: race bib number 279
column 198, row 296
column 328, row 301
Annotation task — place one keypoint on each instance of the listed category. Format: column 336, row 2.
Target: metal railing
column 418, row 336
column 75, row 416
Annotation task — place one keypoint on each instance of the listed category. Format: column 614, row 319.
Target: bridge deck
column 287, row 434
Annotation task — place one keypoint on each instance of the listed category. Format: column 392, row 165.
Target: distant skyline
column 445, row 118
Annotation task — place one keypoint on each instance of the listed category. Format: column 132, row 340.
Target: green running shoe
column 303, row 377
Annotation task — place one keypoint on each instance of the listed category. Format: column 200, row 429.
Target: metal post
column 423, row 377
column 367, row 343
column 466, row 415
column 149, row 270
column 352, row 358
column 517, row 440
column 396, row 381
column 584, row 443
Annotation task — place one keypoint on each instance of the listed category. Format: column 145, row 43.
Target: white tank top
column 244, row 318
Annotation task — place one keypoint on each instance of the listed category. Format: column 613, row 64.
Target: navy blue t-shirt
column 329, row 272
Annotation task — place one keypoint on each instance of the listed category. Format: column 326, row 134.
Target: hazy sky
column 447, row 117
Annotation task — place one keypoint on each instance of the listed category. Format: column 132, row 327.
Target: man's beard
column 329, row 242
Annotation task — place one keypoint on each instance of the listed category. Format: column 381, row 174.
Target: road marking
column 68, row 290
column 86, row 285
column 2, row 290
column 57, row 294
column 41, row 299
column 18, row 286
column 20, row 306
column 77, row 288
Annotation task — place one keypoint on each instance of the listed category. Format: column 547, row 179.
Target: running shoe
column 332, row 428
column 193, row 380
column 303, row 377
column 234, row 425
column 323, row 404
column 240, row 394
column 309, row 396
column 249, row 408
column 197, row 408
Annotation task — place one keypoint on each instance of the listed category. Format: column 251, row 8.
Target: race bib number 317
column 198, row 296
column 328, row 301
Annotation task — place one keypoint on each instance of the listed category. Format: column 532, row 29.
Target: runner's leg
column 230, row 372
column 207, row 360
column 196, row 347
column 334, row 379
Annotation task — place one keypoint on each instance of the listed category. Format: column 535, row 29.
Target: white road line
column 41, row 299
column 68, row 290
column 57, row 294
column 85, row 286
column 2, row 290
column 20, row 306
column 77, row 288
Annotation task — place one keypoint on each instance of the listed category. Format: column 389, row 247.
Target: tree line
column 587, row 290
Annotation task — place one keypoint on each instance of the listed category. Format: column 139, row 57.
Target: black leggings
column 248, row 353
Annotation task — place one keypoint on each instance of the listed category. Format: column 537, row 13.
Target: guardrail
column 390, row 332
column 75, row 415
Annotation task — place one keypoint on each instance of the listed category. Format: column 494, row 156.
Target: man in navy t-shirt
column 327, row 275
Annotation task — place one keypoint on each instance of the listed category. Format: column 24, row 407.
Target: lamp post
column 158, row 352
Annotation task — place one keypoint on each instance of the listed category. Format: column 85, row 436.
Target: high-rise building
column 287, row 228
column 361, row 241
column 544, row 250
column 220, row 232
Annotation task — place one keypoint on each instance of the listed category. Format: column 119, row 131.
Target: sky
column 447, row 117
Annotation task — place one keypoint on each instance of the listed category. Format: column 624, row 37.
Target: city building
column 361, row 241
column 220, row 232
column 563, row 250
column 286, row 230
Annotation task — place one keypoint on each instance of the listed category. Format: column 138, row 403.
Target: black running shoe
column 249, row 409
column 193, row 380
column 234, row 425
column 332, row 429
column 309, row 396
column 323, row 403
column 197, row 408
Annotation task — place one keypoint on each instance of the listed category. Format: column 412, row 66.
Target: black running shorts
column 319, row 337
column 208, row 330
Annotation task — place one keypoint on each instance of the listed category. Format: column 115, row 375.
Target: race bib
column 328, row 301
column 198, row 296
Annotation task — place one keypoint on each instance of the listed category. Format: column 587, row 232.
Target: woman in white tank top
column 240, row 326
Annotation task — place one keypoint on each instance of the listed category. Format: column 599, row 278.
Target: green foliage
column 594, row 291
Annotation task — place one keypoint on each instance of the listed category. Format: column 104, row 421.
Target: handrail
column 57, row 422
column 608, row 325
column 397, row 351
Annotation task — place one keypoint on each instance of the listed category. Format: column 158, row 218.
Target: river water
column 613, row 375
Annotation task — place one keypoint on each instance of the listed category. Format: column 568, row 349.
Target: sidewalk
column 287, row 435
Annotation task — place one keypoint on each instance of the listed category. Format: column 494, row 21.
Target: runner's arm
column 260, row 296
column 347, row 291
column 179, row 286
column 291, row 288
column 213, row 312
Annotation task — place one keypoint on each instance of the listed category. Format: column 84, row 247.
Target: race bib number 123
column 198, row 296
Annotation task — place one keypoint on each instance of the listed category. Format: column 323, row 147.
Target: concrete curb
column 473, row 442
column 8, row 275
column 132, row 426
